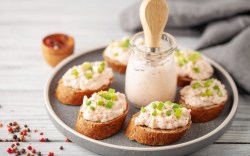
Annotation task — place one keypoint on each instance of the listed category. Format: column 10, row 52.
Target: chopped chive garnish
column 194, row 57
column 154, row 105
column 111, row 90
column 109, row 104
column 177, row 53
column 160, row 106
column 216, row 87
column 102, row 63
column 87, row 66
column 100, row 102
column 219, row 93
column 116, row 54
column 208, row 83
column 143, row 110
column 124, row 44
column 176, row 106
column 196, row 69
column 168, row 113
column 168, row 102
column 88, row 76
column 154, row 113
column 105, row 95
column 88, row 103
column 100, row 69
column 178, row 113
column 196, row 85
column 208, row 92
column 92, row 108
column 182, row 60
column 74, row 72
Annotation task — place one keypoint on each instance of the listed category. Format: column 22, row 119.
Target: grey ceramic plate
column 198, row 136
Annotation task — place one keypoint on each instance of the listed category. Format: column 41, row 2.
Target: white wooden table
column 23, row 72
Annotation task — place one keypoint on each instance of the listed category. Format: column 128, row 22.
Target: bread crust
column 154, row 137
column 72, row 96
column 183, row 81
column 100, row 130
column 203, row 114
column 114, row 64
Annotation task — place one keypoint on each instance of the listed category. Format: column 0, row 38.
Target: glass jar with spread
column 151, row 75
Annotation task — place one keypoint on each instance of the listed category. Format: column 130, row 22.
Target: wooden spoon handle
column 154, row 16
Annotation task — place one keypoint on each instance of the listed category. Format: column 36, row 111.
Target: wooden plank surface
column 23, row 72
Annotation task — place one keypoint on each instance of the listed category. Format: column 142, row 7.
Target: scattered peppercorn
column 29, row 148
column 51, row 154
column 41, row 133
column 10, row 129
column 39, row 154
column 42, row 140
column 10, row 124
column 67, row 140
column 61, row 148
column 33, row 151
column 47, row 140
column 17, row 143
column 14, row 123
column 14, row 136
column 9, row 150
column 23, row 150
column 25, row 126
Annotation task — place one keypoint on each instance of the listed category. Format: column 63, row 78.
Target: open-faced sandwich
column 190, row 66
column 206, row 99
column 102, row 115
column 159, row 123
column 84, row 79
column 117, row 54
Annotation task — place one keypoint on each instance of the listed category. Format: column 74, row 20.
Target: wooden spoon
column 154, row 16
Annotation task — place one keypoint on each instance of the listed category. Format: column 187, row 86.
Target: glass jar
column 151, row 76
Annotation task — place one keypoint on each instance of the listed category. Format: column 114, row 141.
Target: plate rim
column 149, row 148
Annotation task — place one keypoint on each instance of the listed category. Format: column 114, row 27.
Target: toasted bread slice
column 154, row 137
column 114, row 64
column 72, row 96
column 183, row 81
column 203, row 114
column 100, row 130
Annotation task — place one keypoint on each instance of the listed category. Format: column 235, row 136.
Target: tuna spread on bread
column 163, row 115
column 104, row 106
column 192, row 65
column 204, row 93
column 88, row 76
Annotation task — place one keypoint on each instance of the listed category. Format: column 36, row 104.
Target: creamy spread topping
column 119, row 50
column 163, row 115
column 191, row 64
column 88, row 76
column 204, row 93
column 103, row 106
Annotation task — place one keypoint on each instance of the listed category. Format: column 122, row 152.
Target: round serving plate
column 198, row 136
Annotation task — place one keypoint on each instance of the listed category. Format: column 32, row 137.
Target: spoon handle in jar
column 153, row 15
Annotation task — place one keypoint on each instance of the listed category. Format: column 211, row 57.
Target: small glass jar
column 151, row 76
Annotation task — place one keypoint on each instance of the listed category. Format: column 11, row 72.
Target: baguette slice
column 203, row 114
column 154, row 137
column 100, row 130
column 183, row 81
column 72, row 96
column 114, row 64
